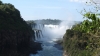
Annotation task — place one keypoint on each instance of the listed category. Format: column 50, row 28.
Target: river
column 50, row 34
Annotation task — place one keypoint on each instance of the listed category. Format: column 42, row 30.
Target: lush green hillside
column 15, row 34
column 84, row 38
column 10, row 18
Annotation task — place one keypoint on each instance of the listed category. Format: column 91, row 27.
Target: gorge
column 47, row 37
column 48, row 34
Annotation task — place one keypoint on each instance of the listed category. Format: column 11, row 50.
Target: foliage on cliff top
column 84, row 38
column 90, row 25
column 10, row 18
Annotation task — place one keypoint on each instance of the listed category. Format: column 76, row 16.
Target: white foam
column 51, row 33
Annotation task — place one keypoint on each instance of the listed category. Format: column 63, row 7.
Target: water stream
column 47, row 35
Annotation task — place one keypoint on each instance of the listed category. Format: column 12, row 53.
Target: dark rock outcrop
column 14, row 43
column 59, row 44
column 15, row 34
column 34, row 47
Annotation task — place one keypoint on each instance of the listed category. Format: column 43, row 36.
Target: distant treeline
column 45, row 21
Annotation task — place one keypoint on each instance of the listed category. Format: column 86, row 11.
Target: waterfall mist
column 53, row 32
column 47, row 34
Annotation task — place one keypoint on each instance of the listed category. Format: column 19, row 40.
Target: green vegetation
column 10, row 18
column 48, row 21
column 15, row 34
column 84, row 39
column 89, row 25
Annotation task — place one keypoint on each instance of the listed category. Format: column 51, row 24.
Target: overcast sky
column 53, row 9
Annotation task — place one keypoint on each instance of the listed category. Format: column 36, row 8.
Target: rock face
column 15, row 35
column 34, row 47
column 17, row 43
column 65, row 53
column 14, row 43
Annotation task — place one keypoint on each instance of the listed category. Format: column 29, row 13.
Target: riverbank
column 59, row 44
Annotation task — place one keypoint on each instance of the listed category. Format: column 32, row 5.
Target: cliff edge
column 15, row 34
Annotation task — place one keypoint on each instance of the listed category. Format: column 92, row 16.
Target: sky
column 49, row 9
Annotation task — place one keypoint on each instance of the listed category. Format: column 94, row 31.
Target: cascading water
column 38, row 31
column 47, row 35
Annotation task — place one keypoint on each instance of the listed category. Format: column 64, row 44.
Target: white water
column 50, row 33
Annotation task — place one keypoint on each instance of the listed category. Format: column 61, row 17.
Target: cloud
column 74, row 0
column 79, row 1
column 96, row 1
column 83, row 1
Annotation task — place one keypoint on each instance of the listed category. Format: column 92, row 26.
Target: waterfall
column 47, row 35
column 38, row 31
column 38, row 34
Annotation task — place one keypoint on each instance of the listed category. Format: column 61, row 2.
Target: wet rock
column 34, row 47
column 58, row 46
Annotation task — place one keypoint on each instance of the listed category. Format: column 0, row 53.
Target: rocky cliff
column 15, row 34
